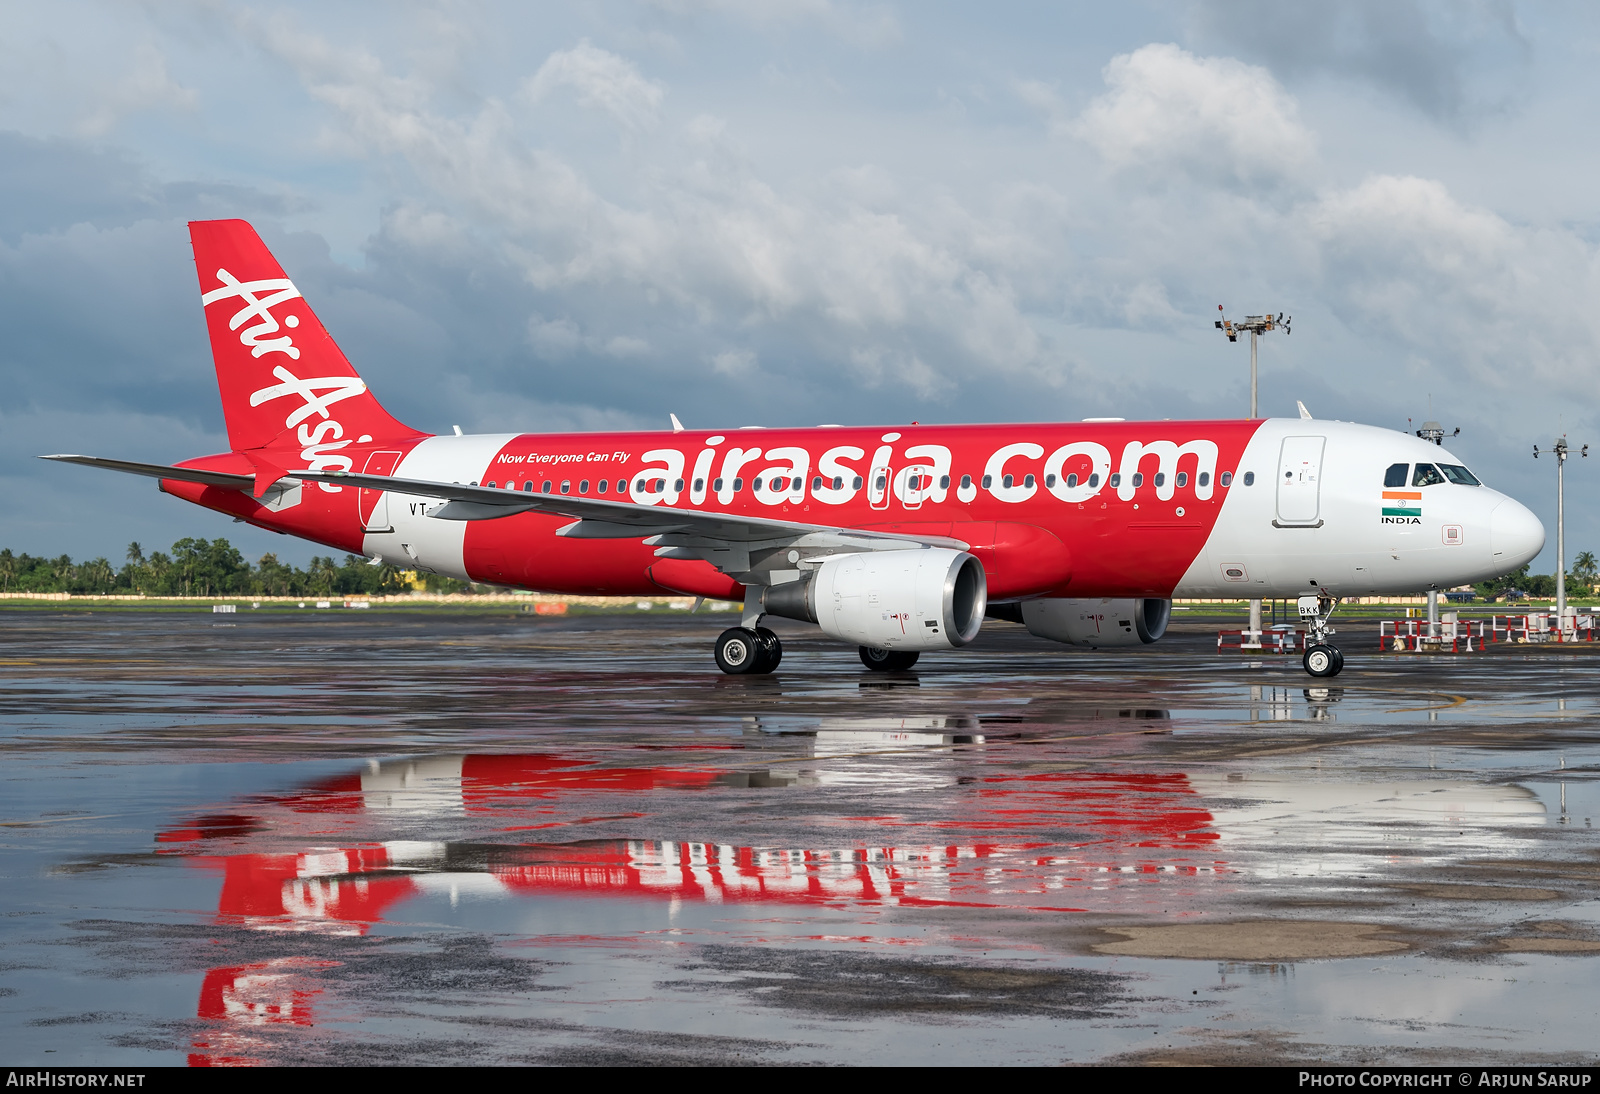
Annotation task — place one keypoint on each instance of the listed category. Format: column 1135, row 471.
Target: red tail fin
column 279, row 371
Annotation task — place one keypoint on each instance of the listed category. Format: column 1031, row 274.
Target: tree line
column 200, row 567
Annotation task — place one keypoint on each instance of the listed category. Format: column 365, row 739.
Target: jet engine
column 1097, row 623
column 930, row 598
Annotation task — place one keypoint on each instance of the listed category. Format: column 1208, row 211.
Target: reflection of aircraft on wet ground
column 1020, row 840
column 896, row 540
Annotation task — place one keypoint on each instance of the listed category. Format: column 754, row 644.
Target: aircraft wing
column 676, row 533
column 161, row 471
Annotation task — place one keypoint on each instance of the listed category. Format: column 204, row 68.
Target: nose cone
column 1515, row 535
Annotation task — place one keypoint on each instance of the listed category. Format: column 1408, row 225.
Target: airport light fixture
column 1560, row 451
column 1257, row 325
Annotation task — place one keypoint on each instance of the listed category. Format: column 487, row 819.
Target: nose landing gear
column 1322, row 657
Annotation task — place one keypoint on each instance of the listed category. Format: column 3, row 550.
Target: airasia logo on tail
column 320, row 440
column 279, row 289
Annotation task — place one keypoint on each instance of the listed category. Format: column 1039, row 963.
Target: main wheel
column 1323, row 661
column 739, row 651
column 1338, row 660
column 771, row 650
column 888, row 660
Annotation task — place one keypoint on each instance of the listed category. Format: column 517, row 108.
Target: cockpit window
column 1396, row 475
column 1426, row 475
column 1459, row 475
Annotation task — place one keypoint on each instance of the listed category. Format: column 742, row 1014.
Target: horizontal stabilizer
column 162, row 471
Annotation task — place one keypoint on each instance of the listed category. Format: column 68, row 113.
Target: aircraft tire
column 771, row 650
column 1322, row 661
column 1338, row 660
column 739, row 652
column 888, row 660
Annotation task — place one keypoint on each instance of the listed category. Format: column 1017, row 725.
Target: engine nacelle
column 1098, row 623
column 929, row 598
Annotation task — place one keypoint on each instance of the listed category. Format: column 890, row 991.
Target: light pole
column 1560, row 450
column 1257, row 325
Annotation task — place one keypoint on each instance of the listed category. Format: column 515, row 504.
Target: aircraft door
column 374, row 504
column 1300, row 480
column 914, row 486
column 878, row 491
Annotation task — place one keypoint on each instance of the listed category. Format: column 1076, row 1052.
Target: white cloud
column 147, row 86
column 1486, row 301
column 1167, row 110
column 699, row 229
column 602, row 81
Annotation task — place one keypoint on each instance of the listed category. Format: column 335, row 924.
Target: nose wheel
column 743, row 651
column 1323, row 660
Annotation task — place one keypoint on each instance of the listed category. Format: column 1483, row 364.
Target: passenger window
column 716, row 484
column 1007, row 481
column 622, row 486
column 988, row 481
column 1183, row 479
column 1204, row 478
column 756, row 485
column 566, row 486
column 856, row 482
column 490, row 484
column 738, row 484
column 966, row 481
column 1115, row 480
column 1227, row 478
column 838, row 482
column 600, row 487
column 528, row 486
column 1138, row 479
column 583, row 486
column 1072, row 481
column 1396, row 475
column 545, row 489
column 879, row 484
column 816, row 482
column 677, row 486
column 1161, row 478
column 699, row 485
column 661, row 485
column 1049, row 482
column 944, row 482
column 1027, row 480
column 1426, row 475
column 1094, row 480
column 638, row 487
column 1459, row 475
column 1249, row 478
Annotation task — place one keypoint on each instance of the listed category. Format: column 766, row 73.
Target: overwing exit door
column 1300, row 481
column 375, row 503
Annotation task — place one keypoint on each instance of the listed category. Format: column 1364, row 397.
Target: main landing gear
column 888, row 660
column 746, row 650
column 1322, row 657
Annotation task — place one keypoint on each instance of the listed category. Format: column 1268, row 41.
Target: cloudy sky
column 780, row 212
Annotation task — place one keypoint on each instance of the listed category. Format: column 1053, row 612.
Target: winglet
column 1304, row 413
column 677, row 426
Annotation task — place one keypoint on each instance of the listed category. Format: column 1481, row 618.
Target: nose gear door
column 1300, row 481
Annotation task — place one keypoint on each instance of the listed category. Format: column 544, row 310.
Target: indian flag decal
column 1402, row 503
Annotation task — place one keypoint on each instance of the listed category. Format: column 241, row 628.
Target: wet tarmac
column 388, row 837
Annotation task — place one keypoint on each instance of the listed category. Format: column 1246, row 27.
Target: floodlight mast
column 1257, row 325
column 1560, row 451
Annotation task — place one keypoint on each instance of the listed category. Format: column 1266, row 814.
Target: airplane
column 898, row 539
